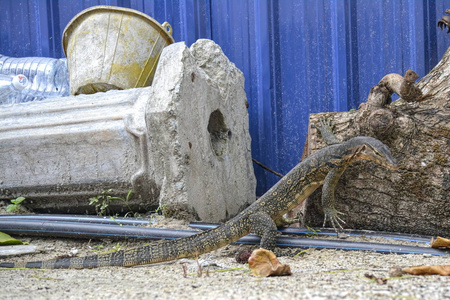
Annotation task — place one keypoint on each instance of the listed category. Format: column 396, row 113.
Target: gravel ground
column 317, row 274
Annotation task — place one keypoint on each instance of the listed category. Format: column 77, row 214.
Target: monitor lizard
column 324, row 167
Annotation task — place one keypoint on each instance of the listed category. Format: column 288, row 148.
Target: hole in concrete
column 218, row 132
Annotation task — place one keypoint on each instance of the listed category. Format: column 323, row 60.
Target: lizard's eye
column 378, row 154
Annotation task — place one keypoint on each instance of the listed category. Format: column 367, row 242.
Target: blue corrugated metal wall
column 298, row 56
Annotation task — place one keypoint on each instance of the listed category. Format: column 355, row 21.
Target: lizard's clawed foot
column 324, row 125
column 333, row 215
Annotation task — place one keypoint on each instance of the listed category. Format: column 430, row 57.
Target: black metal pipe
column 205, row 226
column 88, row 230
column 78, row 219
column 331, row 232
column 98, row 230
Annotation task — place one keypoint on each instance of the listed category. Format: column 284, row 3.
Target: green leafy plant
column 126, row 200
column 6, row 239
column 157, row 214
column 15, row 205
column 98, row 247
column 103, row 201
column 159, row 210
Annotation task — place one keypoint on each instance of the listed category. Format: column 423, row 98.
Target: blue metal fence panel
column 310, row 56
column 298, row 56
column 34, row 27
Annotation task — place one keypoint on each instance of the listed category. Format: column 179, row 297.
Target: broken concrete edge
column 192, row 108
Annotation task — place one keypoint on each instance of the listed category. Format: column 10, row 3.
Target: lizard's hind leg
column 262, row 225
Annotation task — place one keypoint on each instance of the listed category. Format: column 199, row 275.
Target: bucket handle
column 167, row 27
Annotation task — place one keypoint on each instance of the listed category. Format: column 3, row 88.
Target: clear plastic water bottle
column 48, row 77
column 11, row 87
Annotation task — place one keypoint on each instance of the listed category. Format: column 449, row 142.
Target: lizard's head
column 368, row 148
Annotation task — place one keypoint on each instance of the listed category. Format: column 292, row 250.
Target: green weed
column 312, row 232
column 15, row 205
column 104, row 200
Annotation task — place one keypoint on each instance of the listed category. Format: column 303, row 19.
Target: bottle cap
column 20, row 81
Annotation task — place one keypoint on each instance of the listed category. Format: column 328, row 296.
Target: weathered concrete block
column 182, row 143
column 202, row 122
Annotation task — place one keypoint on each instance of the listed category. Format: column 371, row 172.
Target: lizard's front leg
column 326, row 130
column 262, row 225
column 328, row 199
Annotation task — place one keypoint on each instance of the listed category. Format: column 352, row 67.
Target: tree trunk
column 414, row 199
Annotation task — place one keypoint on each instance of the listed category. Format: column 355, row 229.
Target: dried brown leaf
column 440, row 242
column 443, row 270
column 264, row 263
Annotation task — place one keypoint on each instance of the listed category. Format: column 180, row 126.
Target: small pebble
column 395, row 272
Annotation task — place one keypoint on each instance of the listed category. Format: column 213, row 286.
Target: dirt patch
column 317, row 274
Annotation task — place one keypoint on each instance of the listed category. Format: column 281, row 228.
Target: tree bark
column 414, row 199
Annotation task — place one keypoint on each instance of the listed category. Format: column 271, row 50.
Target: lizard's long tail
column 156, row 252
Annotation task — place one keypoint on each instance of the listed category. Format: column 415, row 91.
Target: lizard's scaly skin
column 258, row 218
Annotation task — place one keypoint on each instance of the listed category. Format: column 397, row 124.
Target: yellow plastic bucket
column 110, row 47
